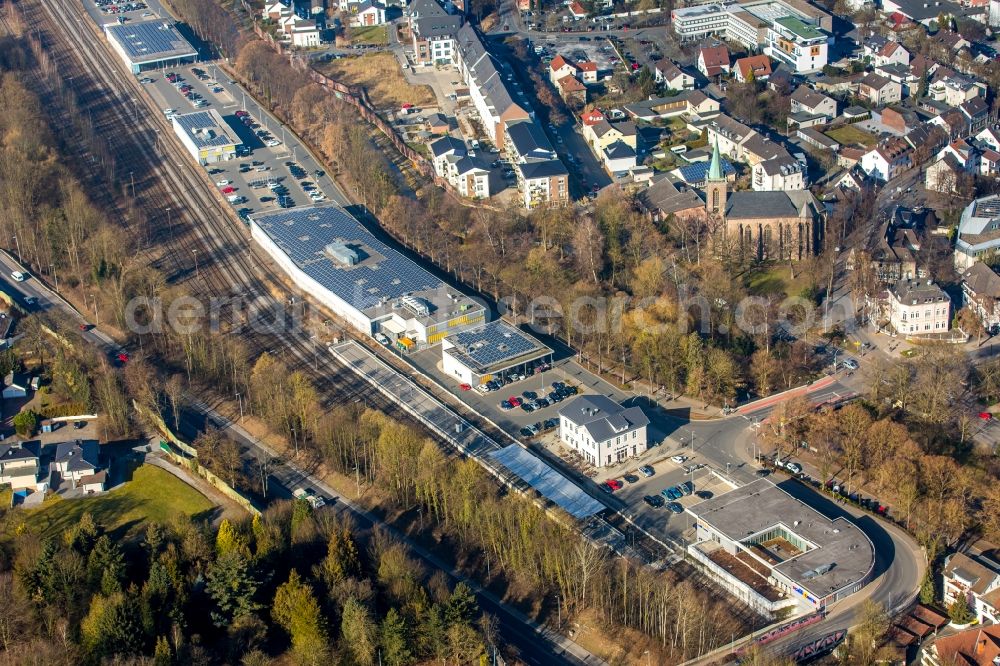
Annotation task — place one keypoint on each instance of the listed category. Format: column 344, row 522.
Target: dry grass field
column 380, row 75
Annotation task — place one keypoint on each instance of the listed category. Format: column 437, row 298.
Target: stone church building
column 772, row 226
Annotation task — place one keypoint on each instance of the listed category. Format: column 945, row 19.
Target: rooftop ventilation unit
column 341, row 253
column 418, row 305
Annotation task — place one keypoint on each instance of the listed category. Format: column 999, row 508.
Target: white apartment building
column 800, row 45
column 795, row 33
column 464, row 170
column 918, row 307
column 779, row 175
column 601, row 430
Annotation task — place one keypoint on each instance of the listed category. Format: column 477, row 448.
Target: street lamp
column 52, row 271
column 197, row 272
column 239, row 398
column 315, row 353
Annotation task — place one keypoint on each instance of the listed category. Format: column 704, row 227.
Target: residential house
column 753, row 68
column 918, row 307
column 955, row 159
column 588, row 71
column 75, row 460
column 437, row 123
column 977, row 235
column 618, row 158
column 887, row 160
column 978, row 646
column 778, row 175
column 543, row 182
column 894, row 253
column 463, row 169
column 369, row 13
column 730, row 135
column 687, row 103
column 927, row 135
column 433, row 32
column 661, row 199
column 603, row 134
column 592, row 117
column 981, row 293
column 93, row 483
column 806, row 100
column 921, row 11
column 673, row 77
column 892, row 53
column 601, row 430
column 901, row 74
column 990, row 136
column 802, row 47
column 486, row 77
column 577, row 10
column 953, row 122
column 989, row 162
column 276, row 11
column 713, row 61
column 969, row 578
column 305, row 34
column 15, row 386
column 18, row 465
column 950, row 42
column 560, row 67
column 977, row 113
column 954, row 89
column 572, row 91
column 879, row 90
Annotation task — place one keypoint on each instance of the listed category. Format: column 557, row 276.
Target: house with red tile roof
column 756, row 68
column 713, row 60
column 577, row 10
column 588, row 71
column 592, row 117
column 979, row 646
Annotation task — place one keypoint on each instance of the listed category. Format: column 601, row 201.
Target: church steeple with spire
column 716, row 187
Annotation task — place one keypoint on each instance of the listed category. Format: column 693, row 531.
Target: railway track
column 207, row 247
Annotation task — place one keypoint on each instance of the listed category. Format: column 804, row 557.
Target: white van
column 18, row 276
column 679, row 150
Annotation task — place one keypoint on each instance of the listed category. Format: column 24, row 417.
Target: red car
column 465, row 387
column 514, row 401
column 241, row 114
column 986, row 416
column 122, row 357
column 613, row 484
column 228, row 189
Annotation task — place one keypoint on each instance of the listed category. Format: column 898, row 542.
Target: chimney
column 980, row 646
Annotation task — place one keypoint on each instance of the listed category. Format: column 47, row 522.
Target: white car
column 221, row 183
column 309, row 495
column 169, row 112
column 679, row 459
column 850, row 364
column 18, row 276
column 271, row 143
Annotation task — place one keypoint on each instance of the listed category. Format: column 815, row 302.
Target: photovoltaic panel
column 150, row 40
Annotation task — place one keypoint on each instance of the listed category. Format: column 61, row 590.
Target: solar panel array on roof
column 205, row 128
column 151, row 40
column 698, row 172
column 381, row 274
column 494, row 343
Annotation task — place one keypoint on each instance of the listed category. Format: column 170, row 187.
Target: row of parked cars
column 529, row 431
column 529, row 401
column 115, row 7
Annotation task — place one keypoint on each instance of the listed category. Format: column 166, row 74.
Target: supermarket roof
column 150, row 41
column 206, row 129
column 493, row 347
column 333, row 248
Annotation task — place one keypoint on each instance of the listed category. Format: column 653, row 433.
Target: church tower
column 716, row 187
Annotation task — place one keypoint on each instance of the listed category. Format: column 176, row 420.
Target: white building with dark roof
column 978, row 231
column 149, row 44
column 917, row 307
column 330, row 255
column 603, row 431
column 18, row 466
column 477, row 355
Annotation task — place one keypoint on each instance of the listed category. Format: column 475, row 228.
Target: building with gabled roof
column 981, row 293
column 601, row 430
column 756, row 68
column 713, row 60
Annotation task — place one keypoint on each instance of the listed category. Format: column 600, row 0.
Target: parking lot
column 109, row 11
column 268, row 174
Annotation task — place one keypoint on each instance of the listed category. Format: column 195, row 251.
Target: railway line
column 207, row 247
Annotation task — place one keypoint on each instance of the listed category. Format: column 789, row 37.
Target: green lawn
column 849, row 135
column 152, row 495
column 374, row 34
column 774, row 280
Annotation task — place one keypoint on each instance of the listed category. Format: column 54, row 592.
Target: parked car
column 631, row 478
column 849, row 363
column 654, row 501
column 647, row 471
column 614, row 484
column 703, row 494
column 679, row 459
column 794, row 468
column 675, row 507
column 506, row 406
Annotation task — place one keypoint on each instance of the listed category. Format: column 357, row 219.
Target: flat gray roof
column 206, row 129
column 759, row 506
column 381, row 276
column 150, row 41
column 550, row 483
column 494, row 346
